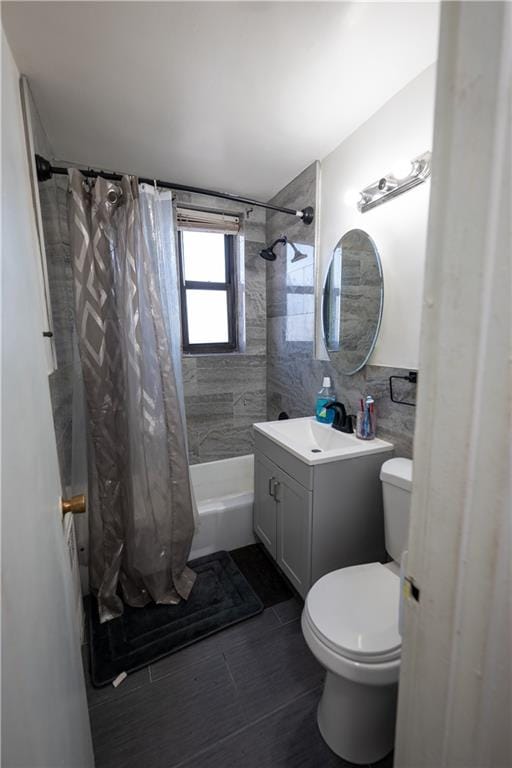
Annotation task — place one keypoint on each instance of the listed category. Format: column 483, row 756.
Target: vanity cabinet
column 282, row 520
column 315, row 519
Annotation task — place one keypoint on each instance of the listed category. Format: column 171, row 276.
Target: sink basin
column 316, row 443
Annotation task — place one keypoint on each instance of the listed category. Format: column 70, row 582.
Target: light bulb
column 402, row 168
column 352, row 197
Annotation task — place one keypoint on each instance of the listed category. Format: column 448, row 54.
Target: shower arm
column 45, row 170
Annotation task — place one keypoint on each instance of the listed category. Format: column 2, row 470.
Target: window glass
column 207, row 315
column 203, row 257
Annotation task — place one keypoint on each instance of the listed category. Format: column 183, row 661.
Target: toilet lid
column 355, row 612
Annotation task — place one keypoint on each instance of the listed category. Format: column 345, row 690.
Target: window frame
column 229, row 286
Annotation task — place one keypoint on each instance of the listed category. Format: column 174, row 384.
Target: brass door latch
column 75, row 504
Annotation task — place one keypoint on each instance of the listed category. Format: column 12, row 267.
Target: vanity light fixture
column 391, row 186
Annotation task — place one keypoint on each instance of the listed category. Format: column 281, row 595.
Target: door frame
column 454, row 700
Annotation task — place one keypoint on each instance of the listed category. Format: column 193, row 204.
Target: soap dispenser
column 325, row 396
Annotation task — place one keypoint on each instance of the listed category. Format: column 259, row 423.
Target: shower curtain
column 141, row 518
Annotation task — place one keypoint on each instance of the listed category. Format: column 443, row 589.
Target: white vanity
column 317, row 498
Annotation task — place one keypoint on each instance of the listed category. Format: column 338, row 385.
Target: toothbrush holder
column 366, row 425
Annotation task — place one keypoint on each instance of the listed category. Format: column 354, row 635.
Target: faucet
column 342, row 421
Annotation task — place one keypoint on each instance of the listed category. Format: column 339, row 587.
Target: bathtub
column 224, row 492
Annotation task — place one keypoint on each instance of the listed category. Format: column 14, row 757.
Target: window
column 207, row 280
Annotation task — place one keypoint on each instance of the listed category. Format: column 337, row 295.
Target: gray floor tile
column 229, row 638
column 96, row 696
column 272, row 670
column 287, row 738
column 289, row 610
column 250, row 630
column 166, row 722
column 204, row 649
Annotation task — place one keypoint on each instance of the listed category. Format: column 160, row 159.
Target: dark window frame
column 229, row 286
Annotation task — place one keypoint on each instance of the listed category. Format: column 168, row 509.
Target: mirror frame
column 381, row 309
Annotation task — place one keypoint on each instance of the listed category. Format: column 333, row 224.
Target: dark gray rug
column 221, row 596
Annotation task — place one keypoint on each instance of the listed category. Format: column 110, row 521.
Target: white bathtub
column 224, row 492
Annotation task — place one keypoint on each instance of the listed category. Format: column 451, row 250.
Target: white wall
column 400, row 130
column 44, row 709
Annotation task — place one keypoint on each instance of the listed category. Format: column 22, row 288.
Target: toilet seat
column 353, row 612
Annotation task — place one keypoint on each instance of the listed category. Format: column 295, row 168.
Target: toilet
column 350, row 623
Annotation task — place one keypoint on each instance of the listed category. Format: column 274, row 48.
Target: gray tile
column 249, row 408
column 235, row 373
column 273, row 670
column 288, row 610
column 95, row 696
column 188, row 366
column 187, row 657
column 203, row 412
column 166, row 722
column 287, row 738
column 250, row 631
column 246, row 631
column 256, row 337
column 224, row 442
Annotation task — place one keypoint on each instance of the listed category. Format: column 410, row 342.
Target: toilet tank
column 396, row 478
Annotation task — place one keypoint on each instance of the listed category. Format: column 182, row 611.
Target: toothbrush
column 369, row 413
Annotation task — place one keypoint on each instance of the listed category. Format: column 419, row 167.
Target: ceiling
column 236, row 96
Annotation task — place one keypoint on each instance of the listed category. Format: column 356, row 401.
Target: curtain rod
column 45, row 170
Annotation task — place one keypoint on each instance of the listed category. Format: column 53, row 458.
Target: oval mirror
column 352, row 301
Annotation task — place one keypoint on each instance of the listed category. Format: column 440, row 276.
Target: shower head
column 269, row 255
column 297, row 255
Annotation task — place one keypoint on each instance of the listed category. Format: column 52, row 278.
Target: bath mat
column 262, row 574
column 221, row 597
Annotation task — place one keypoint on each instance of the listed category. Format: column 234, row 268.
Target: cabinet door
column 265, row 522
column 294, row 509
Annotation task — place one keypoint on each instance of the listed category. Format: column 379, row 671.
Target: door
column 265, row 522
column 294, row 514
column 44, row 708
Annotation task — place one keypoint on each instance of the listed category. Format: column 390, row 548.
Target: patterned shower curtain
column 141, row 519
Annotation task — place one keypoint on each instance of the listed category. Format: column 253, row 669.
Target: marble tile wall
column 224, row 394
column 293, row 375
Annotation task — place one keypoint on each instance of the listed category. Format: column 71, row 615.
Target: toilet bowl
column 350, row 623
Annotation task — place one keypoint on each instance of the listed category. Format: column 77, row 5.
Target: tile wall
column 293, row 375
column 226, row 394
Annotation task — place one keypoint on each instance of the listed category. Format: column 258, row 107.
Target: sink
column 316, row 443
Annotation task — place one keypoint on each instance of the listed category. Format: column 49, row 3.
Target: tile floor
column 243, row 698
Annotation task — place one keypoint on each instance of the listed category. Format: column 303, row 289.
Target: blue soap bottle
column 325, row 396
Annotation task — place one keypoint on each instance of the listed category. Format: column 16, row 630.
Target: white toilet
column 350, row 623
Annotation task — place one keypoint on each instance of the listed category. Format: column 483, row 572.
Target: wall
column 44, row 710
column 400, row 130
column 226, row 394
column 293, row 374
